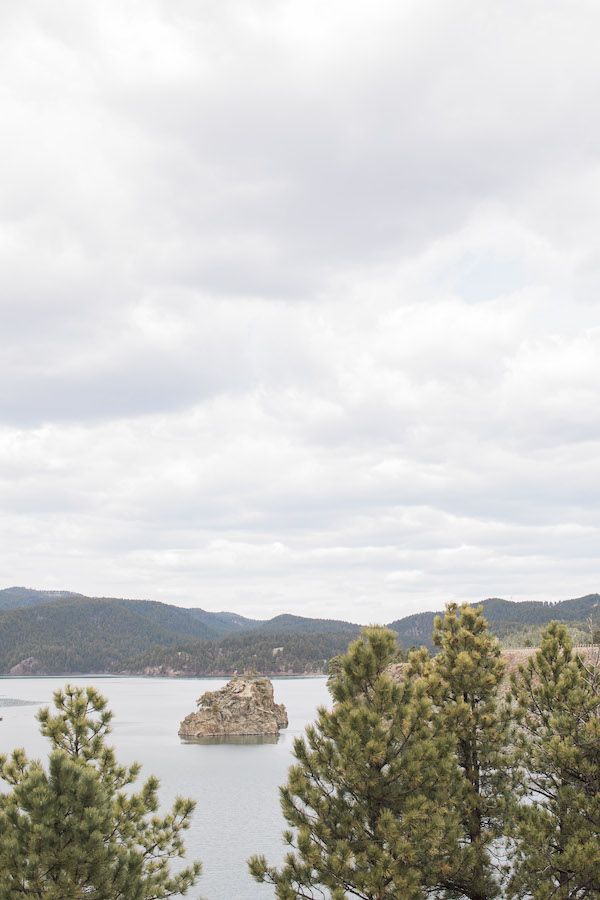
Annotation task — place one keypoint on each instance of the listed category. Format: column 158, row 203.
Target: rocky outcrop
column 161, row 672
column 29, row 666
column 244, row 706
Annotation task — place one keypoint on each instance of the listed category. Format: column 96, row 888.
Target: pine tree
column 557, row 827
column 366, row 798
column 470, row 670
column 72, row 831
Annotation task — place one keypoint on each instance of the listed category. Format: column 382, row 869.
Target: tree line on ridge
column 44, row 632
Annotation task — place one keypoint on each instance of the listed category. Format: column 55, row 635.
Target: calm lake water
column 235, row 786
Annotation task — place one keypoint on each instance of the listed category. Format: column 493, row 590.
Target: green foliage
column 557, row 832
column 420, row 788
column 64, row 632
column 17, row 597
column 468, row 674
column 300, row 653
column 531, row 636
column 366, row 798
column 506, row 617
column 301, row 625
column 79, row 634
column 73, row 831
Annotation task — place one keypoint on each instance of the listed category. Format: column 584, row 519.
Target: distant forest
column 43, row 632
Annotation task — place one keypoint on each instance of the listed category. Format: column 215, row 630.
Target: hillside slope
column 504, row 617
column 85, row 635
column 192, row 622
column 56, row 632
column 19, row 597
column 288, row 624
column 63, row 632
column 270, row 652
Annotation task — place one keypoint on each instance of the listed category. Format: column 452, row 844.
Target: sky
column 299, row 306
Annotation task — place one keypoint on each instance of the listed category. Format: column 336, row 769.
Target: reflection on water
column 232, row 739
column 235, row 784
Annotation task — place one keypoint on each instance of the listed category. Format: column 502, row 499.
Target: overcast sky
column 300, row 301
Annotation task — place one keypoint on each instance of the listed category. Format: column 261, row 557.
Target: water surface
column 235, row 785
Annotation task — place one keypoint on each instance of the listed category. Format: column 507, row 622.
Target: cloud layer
column 300, row 303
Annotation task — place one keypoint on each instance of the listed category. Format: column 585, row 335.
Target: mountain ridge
column 66, row 632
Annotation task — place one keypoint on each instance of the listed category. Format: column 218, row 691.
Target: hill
column 86, row 635
column 192, row 622
column 60, row 632
column 506, row 617
column 270, row 652
column 18, row 597
column 288, row 624
column 227, row 622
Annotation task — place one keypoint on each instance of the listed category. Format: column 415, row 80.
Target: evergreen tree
column 469, row 672
column 366, row 798
column 72, row 831
column 557, row 828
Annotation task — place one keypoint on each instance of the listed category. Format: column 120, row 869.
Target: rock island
column 245, row 706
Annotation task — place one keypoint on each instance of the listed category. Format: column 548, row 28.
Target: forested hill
column 61, row 632
column 64, row 632
column 507, row 617
column 18, row 597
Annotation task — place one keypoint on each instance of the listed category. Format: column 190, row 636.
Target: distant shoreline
column 278, row 677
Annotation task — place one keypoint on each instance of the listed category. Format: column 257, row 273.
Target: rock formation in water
column 244, row 706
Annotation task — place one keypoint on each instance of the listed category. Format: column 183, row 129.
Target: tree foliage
column 470, row 672
column 366, row 797
column 439, row 785
column 557, row 833
column 296, row 653
column 508, row 618
column 73, row 830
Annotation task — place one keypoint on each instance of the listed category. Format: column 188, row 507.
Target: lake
column 235, row 786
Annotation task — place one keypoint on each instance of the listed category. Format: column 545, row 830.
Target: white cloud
column 300, row 303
